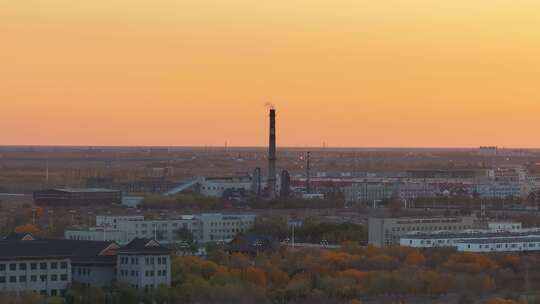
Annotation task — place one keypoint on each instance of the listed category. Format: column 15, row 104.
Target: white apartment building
column 504, row 226
column 385, row 232
column 223, row 227
column 144, row 264
column 206, row 227
column 514, row 244
column 45, row 274
column 163, row 230
column 110, row 221
column 499, row 190
column 49, row 266
column 96, row 234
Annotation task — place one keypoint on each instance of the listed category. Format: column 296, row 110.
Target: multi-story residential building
column 383, row 232
column 49, row 266
column 144, row 264
column 499, row 190
column 163, row 230
column 206, row 227
column 96, row 234
column 373, row 192
column 110, row 221
column 513, row 244
column 504, row 226
column 223, row 227
column 368, row 192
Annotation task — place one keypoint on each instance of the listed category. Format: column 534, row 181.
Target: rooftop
column 84, row 190
column 502, row 240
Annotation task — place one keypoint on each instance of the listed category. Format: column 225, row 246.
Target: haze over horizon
column 415, row 73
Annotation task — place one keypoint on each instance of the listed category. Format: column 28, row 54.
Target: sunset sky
column 365, row 73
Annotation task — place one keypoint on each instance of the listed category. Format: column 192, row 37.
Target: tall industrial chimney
column 272, row 156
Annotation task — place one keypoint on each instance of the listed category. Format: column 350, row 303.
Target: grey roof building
column 48, row 266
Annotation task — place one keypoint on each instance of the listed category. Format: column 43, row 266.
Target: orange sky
column 458, row 73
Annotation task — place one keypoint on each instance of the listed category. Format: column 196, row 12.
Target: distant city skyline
column 414, row 73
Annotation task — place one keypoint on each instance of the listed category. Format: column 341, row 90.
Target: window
column 22, row 266
column 54, row 265
column 63, row 265
column 42, row 265
column 33, row 266
column 54, row 292
column 54, row 277
column 2, row 280
column 43, row 278
column 63, row 277
column 12, row 266
column 22, row 278
column 13, row 279
column 2, row 267
column 33, row 278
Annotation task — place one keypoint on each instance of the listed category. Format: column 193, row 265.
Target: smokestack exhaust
column 272, row 155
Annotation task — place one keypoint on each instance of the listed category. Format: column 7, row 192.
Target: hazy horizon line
column 262, row 146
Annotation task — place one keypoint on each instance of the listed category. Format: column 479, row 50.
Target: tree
column 415, row 258
column 186, row 240
column 28, row 228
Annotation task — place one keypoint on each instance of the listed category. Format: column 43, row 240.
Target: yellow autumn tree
column 28, row 228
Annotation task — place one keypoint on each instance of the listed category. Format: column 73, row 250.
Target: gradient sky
column 423, row 73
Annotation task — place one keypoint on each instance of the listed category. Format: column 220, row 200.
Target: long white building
column 206, row 227
column 513, row 244
column 477, row 241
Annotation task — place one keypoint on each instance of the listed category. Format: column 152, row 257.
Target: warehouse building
column 77, row 197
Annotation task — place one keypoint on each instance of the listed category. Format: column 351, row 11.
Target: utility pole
column 308, row 172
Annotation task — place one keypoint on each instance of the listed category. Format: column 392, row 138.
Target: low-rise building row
column 49, row 266
column 205, row 228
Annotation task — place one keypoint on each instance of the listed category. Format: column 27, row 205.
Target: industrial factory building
column 384, row 232
column 77, row 197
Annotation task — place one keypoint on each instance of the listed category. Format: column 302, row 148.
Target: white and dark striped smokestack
column 272, row 155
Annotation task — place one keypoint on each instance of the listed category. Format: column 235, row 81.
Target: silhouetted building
column 77, row 197
column 257, row 181
column 285, row 188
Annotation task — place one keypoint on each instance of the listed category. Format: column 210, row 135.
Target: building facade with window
column 48, row 266
column 384, row 232
column 144, row 264
column 205, row 227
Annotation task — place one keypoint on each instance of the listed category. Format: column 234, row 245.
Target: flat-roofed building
column 383, row 232
column 111, row 220
column 96, row 234
column 205, row 228
column 446, row 239
column 219, row 227
column 513, row 244
column 77, row 197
